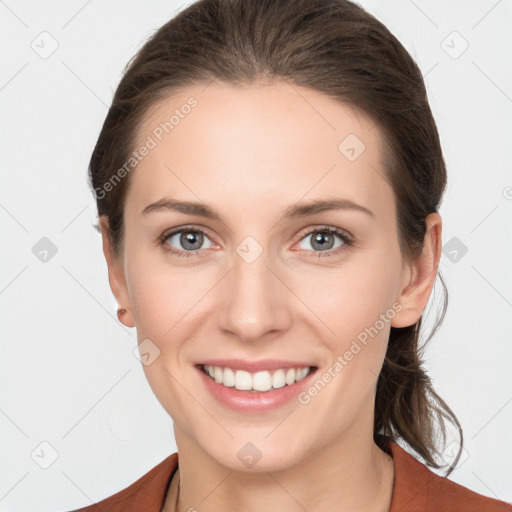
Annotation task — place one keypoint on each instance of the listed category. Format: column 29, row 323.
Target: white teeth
column 261, row 381
column 258, row 381
column 290, row 376
column 243, row 380
column 278, row 380
column 228, row 377
column 301, row 373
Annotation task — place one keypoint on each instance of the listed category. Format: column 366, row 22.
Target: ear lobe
column 423, row 273
column 116, row 275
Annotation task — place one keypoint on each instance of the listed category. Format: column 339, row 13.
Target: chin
column 250, row 455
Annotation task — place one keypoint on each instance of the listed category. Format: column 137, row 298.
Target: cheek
column 359, row 312
column 171, row 306
column 160, row 294
column 356, row 303
column 351, row 298
column 166, row 302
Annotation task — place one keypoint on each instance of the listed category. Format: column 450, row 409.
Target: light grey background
column 68, row 373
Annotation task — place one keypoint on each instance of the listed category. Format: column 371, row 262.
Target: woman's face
column 265, row 283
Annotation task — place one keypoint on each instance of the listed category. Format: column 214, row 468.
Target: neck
column 355, row 476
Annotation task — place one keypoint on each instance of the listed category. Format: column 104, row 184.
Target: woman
column 268, row 180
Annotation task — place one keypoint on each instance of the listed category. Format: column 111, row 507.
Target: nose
column 255, row 301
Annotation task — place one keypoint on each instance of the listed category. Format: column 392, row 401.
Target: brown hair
column 337, row 48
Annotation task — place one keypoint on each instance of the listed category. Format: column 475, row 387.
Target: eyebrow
column 293, row 211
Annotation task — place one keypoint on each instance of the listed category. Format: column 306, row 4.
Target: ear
column 420, row 275
column 116, row 275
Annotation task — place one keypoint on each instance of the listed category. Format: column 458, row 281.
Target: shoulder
column 418, row 489
column 147, row 493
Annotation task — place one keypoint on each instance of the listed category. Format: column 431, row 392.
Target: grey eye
column 188, row 240
column 322, row 240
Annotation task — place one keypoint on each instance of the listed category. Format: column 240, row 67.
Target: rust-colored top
column 416, row 489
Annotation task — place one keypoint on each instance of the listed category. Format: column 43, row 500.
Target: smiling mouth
column 256, row 382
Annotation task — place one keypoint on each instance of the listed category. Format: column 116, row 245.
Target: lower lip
column 247, row 401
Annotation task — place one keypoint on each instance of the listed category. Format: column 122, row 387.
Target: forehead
column 256, row 144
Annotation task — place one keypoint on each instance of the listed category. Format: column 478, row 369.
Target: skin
column 251, row 152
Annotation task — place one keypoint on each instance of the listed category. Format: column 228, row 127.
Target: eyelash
column 347, row 241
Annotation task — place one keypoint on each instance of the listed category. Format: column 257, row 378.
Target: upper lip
column 255, row 366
